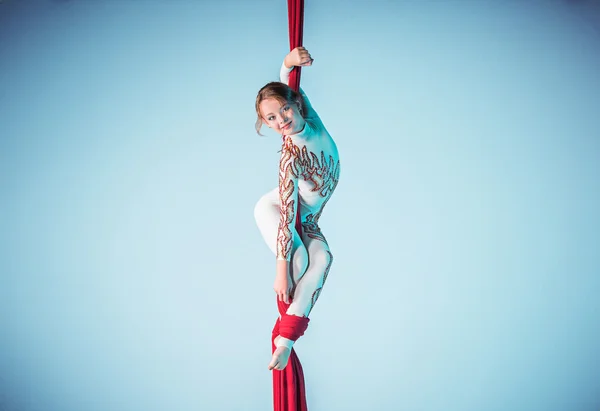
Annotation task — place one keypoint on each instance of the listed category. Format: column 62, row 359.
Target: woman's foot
column 280, row 358
column 281, row 353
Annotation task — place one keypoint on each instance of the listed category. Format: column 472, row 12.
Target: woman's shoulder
column 313, row 129
column 314, row 138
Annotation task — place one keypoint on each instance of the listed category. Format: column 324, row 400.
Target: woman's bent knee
column 262, row 209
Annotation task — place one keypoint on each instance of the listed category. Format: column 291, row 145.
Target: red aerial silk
column 289, row 393
column 296, row 23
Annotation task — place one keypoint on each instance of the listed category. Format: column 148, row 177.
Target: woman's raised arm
column 298, row 57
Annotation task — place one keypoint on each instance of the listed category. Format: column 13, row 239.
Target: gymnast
column 309, row 170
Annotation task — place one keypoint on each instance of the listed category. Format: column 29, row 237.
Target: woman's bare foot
column 281, row 354
column 280, row 358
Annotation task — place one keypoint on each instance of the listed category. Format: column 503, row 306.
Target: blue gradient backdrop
column 465, row 225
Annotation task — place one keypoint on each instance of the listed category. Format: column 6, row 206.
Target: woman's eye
column 270, row 118
column 286, row 108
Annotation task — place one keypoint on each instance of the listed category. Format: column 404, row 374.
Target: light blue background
column 464, row 228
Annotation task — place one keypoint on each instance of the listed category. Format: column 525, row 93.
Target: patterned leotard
column 309, row 171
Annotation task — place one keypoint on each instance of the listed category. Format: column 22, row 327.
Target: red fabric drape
column 289, row 392
column 296, row 31
column 296, row 24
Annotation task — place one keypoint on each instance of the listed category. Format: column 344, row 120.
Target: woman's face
column 284, row 119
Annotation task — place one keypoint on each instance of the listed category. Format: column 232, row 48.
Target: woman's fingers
column 284, row 295
column 306, row 59
column 301, row 57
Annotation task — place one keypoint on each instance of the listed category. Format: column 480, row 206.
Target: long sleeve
column 284, row 73
column 288, row 199
column 284, row 77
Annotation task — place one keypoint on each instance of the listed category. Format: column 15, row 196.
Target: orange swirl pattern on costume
column 288, row 195
column 322, row 172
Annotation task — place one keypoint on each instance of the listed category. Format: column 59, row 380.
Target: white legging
column 311, row 257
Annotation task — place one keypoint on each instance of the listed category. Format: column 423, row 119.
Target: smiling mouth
column 287, row 126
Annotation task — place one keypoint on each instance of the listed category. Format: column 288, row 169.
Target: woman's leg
column 267, row 215
column 307, row 292
column 309, row 288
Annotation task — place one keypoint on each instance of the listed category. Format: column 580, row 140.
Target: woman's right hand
column 282, row 287
column 298, row 57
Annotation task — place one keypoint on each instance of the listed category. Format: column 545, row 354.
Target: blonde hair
column 281, row 92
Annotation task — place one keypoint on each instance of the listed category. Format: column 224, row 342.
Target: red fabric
column 296, row 24
column 292, row 327
column 296, row 30
column 288, row 384
column 289, row 393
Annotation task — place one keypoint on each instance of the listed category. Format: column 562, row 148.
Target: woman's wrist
column 287, row 64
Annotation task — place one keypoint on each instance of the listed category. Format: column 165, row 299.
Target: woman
column 309, row 170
